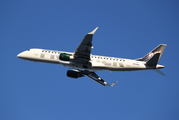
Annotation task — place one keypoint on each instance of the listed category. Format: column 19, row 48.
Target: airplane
column 83, row 63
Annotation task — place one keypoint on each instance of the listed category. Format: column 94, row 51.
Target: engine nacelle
column 66, row 57
column 74, row 74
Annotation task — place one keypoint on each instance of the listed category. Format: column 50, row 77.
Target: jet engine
column 66, row 56
column 74, row 74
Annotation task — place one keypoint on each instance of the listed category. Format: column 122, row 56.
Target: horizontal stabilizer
column 160, row 72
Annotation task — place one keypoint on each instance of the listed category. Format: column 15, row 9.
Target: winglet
column 113, row 84
column 93, row 31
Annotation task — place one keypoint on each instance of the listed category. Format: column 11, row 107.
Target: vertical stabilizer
column 154, row 56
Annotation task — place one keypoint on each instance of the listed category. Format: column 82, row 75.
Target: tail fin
column 153, row 57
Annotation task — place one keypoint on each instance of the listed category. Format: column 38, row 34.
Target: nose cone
column 24, row 55
column 19, row 55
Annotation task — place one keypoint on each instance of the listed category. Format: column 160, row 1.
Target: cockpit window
column 28, row 50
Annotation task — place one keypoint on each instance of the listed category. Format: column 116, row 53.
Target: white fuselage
column 97, row 62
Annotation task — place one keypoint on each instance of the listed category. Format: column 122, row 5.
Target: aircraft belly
column 43, row 60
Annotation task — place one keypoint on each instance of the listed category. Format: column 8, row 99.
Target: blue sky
column 127, row 29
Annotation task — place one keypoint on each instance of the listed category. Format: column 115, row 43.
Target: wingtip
column 113, row 84
column 164, row 44
column 93, row 31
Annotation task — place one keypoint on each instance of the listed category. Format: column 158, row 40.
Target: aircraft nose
column 23, row 55
column 19, row 55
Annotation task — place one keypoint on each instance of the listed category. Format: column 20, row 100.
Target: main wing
column 98, row 79
column 82, row 55
column 95, row 77
column 83, row 51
